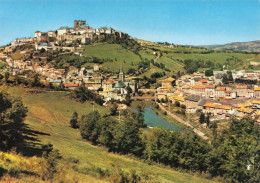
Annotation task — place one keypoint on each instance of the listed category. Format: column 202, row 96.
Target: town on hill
column 220, row 94
column 108, row 74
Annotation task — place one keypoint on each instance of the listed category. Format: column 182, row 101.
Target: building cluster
column 64, row 37
column 81, row 33
column 209, row 95
column 113, row 87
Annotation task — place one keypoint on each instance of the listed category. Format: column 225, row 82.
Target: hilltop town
column 218, row 94
column 74, row 100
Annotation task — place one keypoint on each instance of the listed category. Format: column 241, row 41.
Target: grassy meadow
column 114, row 55
column 49, row 113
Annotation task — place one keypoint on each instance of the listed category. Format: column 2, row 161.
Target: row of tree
column 233, row 154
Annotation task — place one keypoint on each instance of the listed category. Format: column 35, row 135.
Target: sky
column 186, row 22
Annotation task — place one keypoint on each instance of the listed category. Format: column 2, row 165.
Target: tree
column 36, row 80
column 7, row 74
column 230, row 76
column 113, row 110
column 207, row 120
column 128, row 99
column 236, row 149
column 12, row 115
column 209, row 73
column 127, row 139
column 88, row 124
column 50, row 85
column 178, row 74
column 202, row 118
column 1, row 77
column 225, row 79
column 177, row 104
column 61, row 86
column 140, row 117
column 74, row 120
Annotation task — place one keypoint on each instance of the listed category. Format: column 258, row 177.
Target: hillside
column 50, row 115
column 172, row 57
column 250, row 46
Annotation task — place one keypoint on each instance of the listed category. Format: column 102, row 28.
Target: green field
column 16, row 55
column 2, row 64
column 183, row 53
column 113, row 54
column 50, row 113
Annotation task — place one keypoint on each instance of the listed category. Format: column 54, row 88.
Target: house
column 203, row 81
column 257, row 92
column 96, row 67
column 216, row 108
column 250, row 94
column 228, row 93
column 167, row 83
column 246, row 111
column 120, row 87
column 255, row 104
column 121, row 106
column 51, row 33
column 241, row 91
column 220, row 92
column 41, row 45
column 93, row 85
column 63, row 30
column 108, row 85
column 196, row 81
column 187, row 89
column 71, row 86
column 177, row 99
column 199, row 90
column 210, row 91
column 191, row 103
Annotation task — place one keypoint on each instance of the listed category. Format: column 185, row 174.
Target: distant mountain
column 251, row 46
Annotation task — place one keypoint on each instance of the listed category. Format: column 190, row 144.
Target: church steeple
column 121, row 73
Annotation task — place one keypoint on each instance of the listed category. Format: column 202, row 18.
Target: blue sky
column 196, row 22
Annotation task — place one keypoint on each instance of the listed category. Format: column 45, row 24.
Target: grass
column 216, row 57
column 2, row 64
column 16, row 55
column 113, row 54
column 50, row 113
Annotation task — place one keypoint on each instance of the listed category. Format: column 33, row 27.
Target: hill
column 172, row 57
column 50, row 115
column 250, row 46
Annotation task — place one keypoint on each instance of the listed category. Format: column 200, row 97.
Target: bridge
column 143, row 98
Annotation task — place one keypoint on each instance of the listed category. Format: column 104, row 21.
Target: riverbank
column 196, row 131
column 155, row 117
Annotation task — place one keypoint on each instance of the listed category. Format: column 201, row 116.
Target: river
column 154, row 120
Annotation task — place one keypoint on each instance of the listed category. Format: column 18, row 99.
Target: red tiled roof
column 204, row 80
column 199, row 87
column 71, row 85
column 220, row 88
column 108, row 82
column 210, row 86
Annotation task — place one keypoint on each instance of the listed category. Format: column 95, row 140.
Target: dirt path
column 196, row 131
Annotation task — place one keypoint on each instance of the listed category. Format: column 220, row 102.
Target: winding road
column 196, row 131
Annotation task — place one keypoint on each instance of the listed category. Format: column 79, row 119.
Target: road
column 196, row 131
